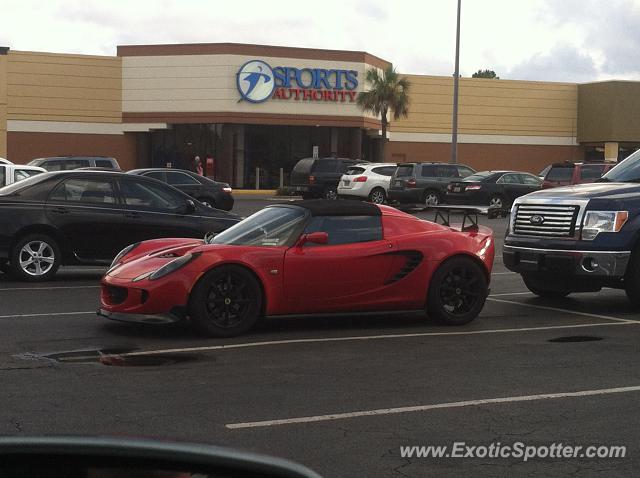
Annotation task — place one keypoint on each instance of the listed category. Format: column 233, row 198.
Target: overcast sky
column 559, row 40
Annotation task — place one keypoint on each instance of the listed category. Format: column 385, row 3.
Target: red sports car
column 307, row 257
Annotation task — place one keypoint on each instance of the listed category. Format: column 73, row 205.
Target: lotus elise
column 309, row 257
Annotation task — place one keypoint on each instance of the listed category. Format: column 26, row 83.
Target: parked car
column 5, row 161
column 65, row 163
column 368, row 181
column 579, row 238
column 567, row 173
column 208, row 192
column 319, row 177
column 12, row 173
column 86, row 217
column 424, row 183
column 309, row 257
column 492, row 188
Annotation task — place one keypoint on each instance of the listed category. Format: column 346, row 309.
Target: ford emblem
column 536, row 220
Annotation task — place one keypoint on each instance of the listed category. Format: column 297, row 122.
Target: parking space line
column 502, row 273
column 435, row 406
column 510, row 293
column 44, row 314
column 566, row 311
column 50, row 288
column 366, row 337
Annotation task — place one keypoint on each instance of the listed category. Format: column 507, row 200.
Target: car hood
column 589, row 191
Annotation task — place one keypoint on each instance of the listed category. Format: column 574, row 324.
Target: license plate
column 457, row 189
column 399, row 183
column 345, row 182
column 300, row 188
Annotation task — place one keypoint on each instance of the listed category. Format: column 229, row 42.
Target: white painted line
column 364, row 337
column 502, row 273
column 566, row 311
column 511, row 293
column 50, row 288
column 435, row 406
column 51, row 314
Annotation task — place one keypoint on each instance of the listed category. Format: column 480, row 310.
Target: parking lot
column 341, row 394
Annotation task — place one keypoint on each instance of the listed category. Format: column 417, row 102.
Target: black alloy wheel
column 226, row 302
column 457, row 292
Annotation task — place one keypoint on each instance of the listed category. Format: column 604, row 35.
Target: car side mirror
column 90, row 457
column 188, row 208
column 315, row 238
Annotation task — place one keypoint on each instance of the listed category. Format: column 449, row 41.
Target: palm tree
column 388, row 91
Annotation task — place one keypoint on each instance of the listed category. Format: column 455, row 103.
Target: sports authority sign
column 258, row 82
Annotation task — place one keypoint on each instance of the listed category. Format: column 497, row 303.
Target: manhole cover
column 145, row 360
column 576, row 338
column 85, row 356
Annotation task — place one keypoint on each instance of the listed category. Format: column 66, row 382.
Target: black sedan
column 86, row 217
column 208, row 192
column 492, row 188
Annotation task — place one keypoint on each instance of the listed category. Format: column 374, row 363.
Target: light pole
column 456, row 74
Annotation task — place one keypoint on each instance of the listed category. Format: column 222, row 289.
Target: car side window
column 463, row 171
column 530, row 180
column 445, row 171
column 346, row 229
column 3, row 175
column 76, row 163
column 176, row 178
column 104, row 163
column 508, row 179
column 150, row 196
column 384, row 170
column 325, row 166
column 91, row 191
column 20, row 174
column 592, row 171
column 55, row 165
column 428, row 171
column 159, row 175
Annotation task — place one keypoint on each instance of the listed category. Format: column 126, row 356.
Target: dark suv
column 319, row 177
column 424, row 183
column 66, row 163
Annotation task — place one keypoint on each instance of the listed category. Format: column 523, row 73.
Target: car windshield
column 628, row 171
column 272, row 226
column 23, row 184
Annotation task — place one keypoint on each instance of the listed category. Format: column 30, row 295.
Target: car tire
column 226, row 302
column 535, row 286
column 330, row 193
column 35, row 258
column 207, row 201
column 457, row 291
column 632, row 279
column 431, row 198
column 377, row 196
column 497, row 201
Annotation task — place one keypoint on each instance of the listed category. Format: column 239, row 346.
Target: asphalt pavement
column 340, row 395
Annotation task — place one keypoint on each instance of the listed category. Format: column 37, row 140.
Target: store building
column 260, row 108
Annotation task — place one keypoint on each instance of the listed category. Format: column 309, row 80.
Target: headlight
column 123, row 253
column 173, row 266
column 596, row 222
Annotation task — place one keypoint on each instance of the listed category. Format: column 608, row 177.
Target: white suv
column 367, row 181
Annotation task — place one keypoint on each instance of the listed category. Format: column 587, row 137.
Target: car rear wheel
column 226, row 302
column 497, row 201
column 377, row 196
column 207, row 201
column 34, row 258
column 330, row 193
column 457, row 291
column 541, row 289
column 431, row 198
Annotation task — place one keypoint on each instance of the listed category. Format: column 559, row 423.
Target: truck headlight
column 596, row 222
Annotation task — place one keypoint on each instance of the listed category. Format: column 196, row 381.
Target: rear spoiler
column 470, row 214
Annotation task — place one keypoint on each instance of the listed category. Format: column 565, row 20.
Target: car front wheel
column 497, row 202
column 226, row 301
column 457, row 292
column 35, row 258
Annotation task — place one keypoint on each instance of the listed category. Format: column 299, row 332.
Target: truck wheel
column 535, row 286
column 632, row 279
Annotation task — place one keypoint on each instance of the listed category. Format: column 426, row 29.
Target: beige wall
column 57, row 87
column 3, row 105
column 207, row 83
column 491, row 107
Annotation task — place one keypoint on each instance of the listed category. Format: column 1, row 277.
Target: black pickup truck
column 579, row 238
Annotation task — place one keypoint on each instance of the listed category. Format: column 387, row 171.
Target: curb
column 254, row 192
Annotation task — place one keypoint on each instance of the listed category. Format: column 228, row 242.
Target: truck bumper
column 596, row 264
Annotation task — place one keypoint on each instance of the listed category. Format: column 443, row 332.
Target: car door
column 90, row 216
column 445, row 173
column 344, row 275
column 184, row 183
column 4, row 175
column 512, row 186
column 154, row 210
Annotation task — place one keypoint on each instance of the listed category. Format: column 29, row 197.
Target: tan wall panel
column 3, row 105
column 23, row 147
column 501, row 107
column 55, row 87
